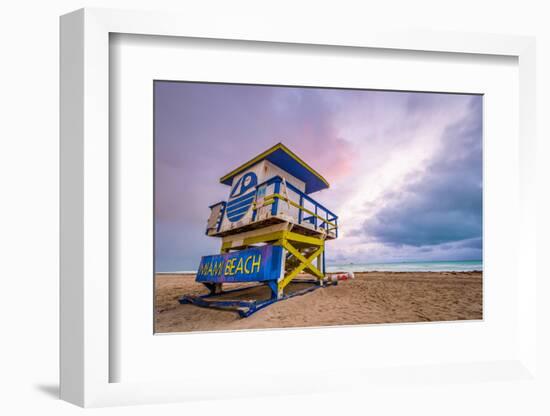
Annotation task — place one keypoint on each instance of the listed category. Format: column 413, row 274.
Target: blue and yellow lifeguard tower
column 272, row 232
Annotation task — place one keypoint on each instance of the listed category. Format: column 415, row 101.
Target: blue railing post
column 275, row 205
column 300, row 213
column 315, row 218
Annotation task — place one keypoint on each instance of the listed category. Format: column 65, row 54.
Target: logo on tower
column 242, row 196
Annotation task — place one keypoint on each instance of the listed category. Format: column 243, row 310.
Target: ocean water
column 414, row 266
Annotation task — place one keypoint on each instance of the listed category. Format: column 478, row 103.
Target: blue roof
column 283, row 157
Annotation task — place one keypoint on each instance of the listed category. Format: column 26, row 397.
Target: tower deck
column 273, row 202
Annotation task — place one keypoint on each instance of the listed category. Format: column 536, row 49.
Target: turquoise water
column 414, row 266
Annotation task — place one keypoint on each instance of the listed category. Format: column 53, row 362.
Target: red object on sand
column 343, row 276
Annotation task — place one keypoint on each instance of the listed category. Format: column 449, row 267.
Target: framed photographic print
column 402, row 170
column 240, row 193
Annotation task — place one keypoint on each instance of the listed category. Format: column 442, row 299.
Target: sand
column 371, row 298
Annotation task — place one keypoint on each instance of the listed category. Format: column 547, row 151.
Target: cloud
column 440, row 202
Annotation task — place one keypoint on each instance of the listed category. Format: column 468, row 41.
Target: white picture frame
column 85, row 209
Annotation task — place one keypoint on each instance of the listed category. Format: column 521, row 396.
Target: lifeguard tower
column 272, row 232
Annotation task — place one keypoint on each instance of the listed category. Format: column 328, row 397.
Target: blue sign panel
column 256, row 264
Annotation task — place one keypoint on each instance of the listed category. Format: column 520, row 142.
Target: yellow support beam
column 288, row 278
column 304, row 239
column 263, row 238
column 303, row 259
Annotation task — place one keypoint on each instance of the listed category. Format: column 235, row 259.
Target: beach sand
column 371, row 298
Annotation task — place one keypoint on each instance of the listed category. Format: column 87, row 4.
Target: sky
column 405, row 168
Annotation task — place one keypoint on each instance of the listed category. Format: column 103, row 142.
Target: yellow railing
column 270, row 199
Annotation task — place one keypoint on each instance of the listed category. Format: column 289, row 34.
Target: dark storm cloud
column 441, row 202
